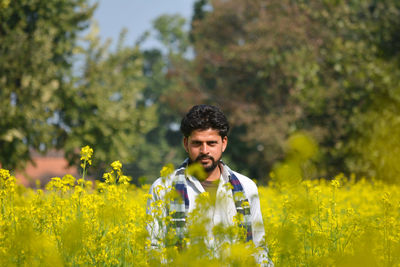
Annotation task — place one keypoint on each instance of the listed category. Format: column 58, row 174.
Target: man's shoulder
column 167, row 180
column 246, row 181
column 158, row 181
column 249, row 186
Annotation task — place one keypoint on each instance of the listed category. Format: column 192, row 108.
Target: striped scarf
column 180, row 206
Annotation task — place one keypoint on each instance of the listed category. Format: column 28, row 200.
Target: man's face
column 205, row 147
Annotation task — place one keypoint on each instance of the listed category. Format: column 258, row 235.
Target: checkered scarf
column 179, row 207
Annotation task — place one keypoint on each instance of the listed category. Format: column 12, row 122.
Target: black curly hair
column 203, row 117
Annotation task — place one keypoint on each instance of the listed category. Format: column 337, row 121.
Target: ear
column 224, row 143
column 185, row 143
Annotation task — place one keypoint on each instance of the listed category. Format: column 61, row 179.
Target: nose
column 204, row 148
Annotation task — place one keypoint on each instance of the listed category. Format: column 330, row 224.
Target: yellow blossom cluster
column 75, row 222
column 86, row 154
column 342, row 222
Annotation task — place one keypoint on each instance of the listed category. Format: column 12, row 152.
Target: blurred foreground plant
column 342, row 222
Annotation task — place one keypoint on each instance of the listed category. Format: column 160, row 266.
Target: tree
column 279, row 67
column 248, row 54
column 107, row 108
column 163, row 86
column 37, row 41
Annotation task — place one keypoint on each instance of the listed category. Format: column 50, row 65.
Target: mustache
column 200, row 157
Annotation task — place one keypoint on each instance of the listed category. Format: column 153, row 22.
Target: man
column 205, row 129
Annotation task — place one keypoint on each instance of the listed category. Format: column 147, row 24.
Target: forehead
column 209, row 134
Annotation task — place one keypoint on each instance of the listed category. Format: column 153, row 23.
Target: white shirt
column 224, row 210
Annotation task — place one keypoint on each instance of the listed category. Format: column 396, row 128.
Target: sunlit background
column 119, row 75
column 311, row 90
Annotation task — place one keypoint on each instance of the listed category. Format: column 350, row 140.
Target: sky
column 136, row 16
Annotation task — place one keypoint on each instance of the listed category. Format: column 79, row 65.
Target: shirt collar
column 225, row 174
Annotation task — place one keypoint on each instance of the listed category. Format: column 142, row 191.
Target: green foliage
column 171, row 34
column 164, row 88
column 45, row 105
column 107, row 108
column 277, row 67
column 37, row 40
column 327, row 69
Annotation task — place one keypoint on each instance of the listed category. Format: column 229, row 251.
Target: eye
column 212, row 143
column 196, row 143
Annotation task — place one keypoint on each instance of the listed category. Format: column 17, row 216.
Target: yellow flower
column 124, row 179
column 386, row 198
column 167, row 170
column 86, row 154
column 109, row 178
column 197, row 170
column 245, row 204
column 68, row 180
column 4, row 174
column 116, row 165
column 335, row 183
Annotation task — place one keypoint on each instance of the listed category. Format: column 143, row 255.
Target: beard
column 209, row 168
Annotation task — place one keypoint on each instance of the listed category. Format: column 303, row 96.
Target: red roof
column 45, row 167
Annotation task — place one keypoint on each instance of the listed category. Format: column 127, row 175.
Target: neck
column 214, row 174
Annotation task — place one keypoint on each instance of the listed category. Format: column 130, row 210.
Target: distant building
column 45, row 167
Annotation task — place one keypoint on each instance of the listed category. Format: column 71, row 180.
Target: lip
column 205, row 160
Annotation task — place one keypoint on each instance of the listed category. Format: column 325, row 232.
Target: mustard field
column 74, row 222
